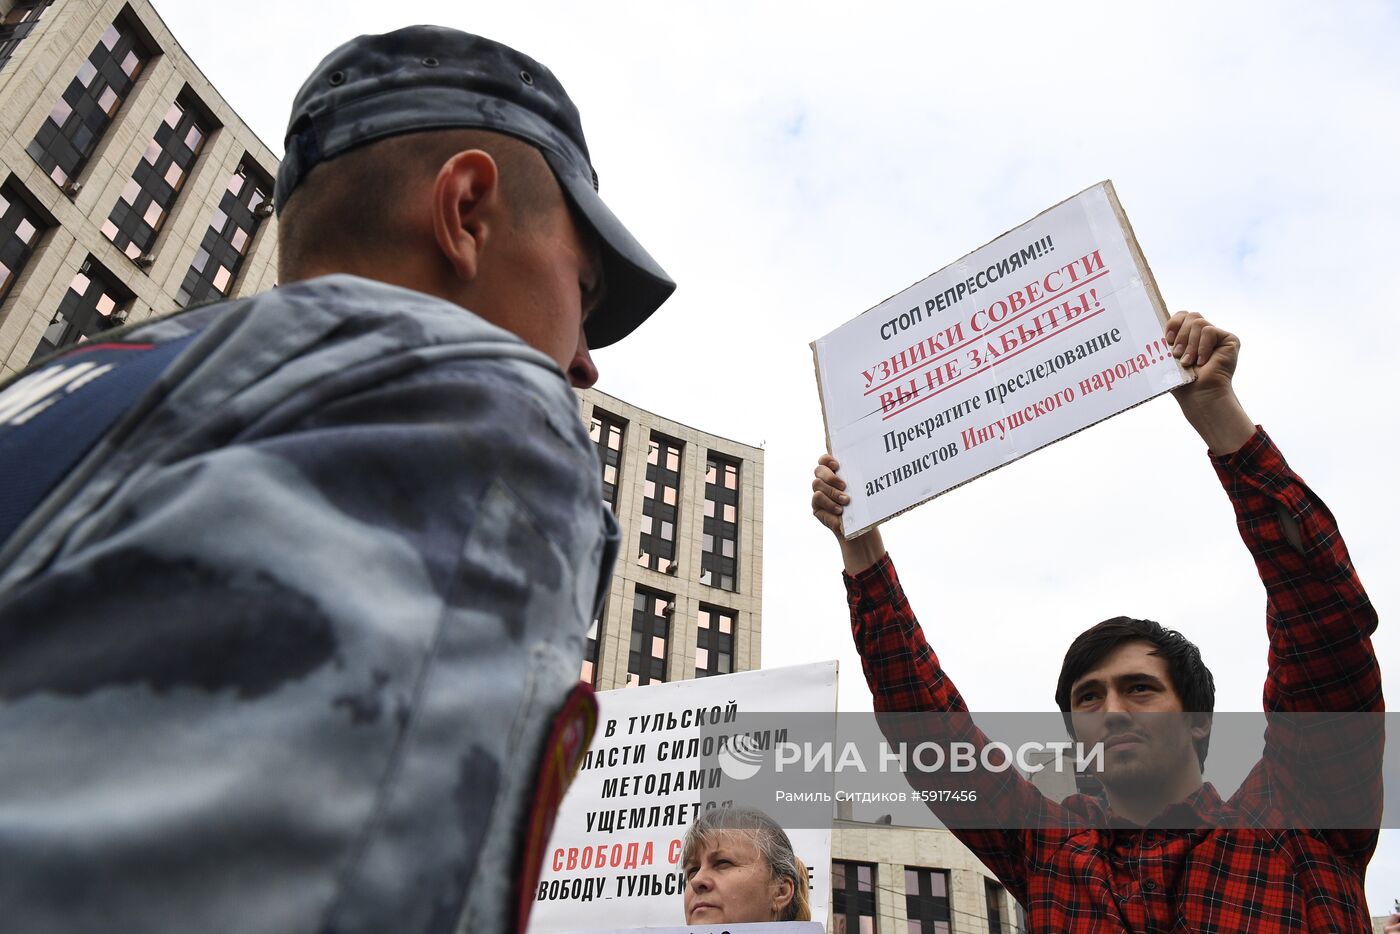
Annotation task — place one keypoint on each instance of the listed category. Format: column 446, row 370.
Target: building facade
column 912, row 880
column 686, row 599
column 128, row 186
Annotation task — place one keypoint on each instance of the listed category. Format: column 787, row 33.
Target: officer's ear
column 466, row 209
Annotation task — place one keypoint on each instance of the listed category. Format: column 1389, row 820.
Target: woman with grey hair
column 740, row 868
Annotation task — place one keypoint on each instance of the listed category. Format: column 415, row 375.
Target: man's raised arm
column 905, row 677
column 1319, row 617
column 1317, row 772
column 901, row 670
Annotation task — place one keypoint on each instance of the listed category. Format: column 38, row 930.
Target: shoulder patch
column 50, row 418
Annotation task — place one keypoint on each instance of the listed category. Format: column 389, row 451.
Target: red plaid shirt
column 1099, row 880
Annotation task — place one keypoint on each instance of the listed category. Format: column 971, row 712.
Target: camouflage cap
column 430, row 77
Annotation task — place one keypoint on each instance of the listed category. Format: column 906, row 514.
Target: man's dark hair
column 1190, row 677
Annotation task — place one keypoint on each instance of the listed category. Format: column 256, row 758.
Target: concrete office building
column 128, row 186
column 685, row 601
column 911, row 880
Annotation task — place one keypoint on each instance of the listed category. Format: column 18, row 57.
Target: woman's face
column 729, row 882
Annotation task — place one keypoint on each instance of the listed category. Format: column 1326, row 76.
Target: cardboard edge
column 826, row 422
column 1154, row 294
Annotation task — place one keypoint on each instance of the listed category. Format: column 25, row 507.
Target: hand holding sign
column 1210, row 404
column 829, row 498
column 829, row 494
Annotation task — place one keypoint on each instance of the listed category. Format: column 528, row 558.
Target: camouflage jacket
column 282, row 651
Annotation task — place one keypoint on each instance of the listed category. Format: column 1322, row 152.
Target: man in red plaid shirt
column 1093, row 865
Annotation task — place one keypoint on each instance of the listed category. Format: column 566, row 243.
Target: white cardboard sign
column 1046, row 330
column 602, row 877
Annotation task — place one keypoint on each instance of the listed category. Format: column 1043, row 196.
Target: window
column 719, row 546
column 157, row 179
column 714, row 641
column 70, row 134
column 17, row 24
column 996, row 908
column 220, row 255
column 589, row 672
column 926, row 900
column 606, row 432
column 660, row 505
column 21, row 226
column 651, row 628
column 852, row 898
column 95, row 302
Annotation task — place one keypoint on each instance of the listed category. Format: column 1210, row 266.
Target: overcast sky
column 792, row 165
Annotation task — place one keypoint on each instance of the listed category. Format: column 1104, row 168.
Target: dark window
column 17, row 24
column 926, row 900
column 81, row 116
column 714, row 641
column 96, row 301
column 606, row 431
column 651, row 636
column 21, row 226
column 229, row 237
column 589, row 672
column 852, row 898
column 661, row 505
column 996, row 908
column 157, row 180
column 719, row 545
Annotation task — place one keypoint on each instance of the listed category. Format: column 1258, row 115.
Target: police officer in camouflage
column 293, row 588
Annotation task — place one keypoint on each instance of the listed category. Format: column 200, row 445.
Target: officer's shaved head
column 353, row 212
